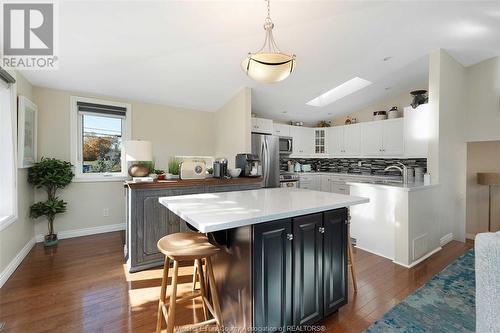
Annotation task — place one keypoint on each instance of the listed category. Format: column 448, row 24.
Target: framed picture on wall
column 27, row 113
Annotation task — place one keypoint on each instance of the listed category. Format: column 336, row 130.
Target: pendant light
column 269, row 64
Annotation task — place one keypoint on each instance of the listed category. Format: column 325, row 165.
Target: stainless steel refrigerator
column 267, row 148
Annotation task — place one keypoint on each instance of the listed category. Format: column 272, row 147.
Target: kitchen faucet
column 403, row 169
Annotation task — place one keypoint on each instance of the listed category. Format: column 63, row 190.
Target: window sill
column 5, row 221
column 78, row 179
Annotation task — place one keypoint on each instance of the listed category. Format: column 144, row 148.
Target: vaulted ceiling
column 188, row 53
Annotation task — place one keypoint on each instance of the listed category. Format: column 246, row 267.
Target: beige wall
column 18, row 234
column 447, row 149
column 366, row 114
column 482, row 118
column 172, row 131
column 233, row 127
column 482, row 157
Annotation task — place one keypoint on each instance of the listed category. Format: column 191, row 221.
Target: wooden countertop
column 192, row 182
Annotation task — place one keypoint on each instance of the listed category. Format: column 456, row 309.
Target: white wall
column 482, row 118
column 233, row 127
column 173, row 131
column 447, row 150
column 366, row 114
column 21, row 232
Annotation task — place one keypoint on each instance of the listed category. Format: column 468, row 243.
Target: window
column 99, row 129
column 8, row 168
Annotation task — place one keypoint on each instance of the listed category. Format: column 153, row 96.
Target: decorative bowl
column 234, row 173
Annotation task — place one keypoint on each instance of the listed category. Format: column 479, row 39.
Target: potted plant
column 174, row 166
column 50, row 174
column 160, row 174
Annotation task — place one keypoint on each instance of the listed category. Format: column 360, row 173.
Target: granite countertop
column 210, row 212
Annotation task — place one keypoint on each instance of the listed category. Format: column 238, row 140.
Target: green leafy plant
column 174, row 166
column 159, row 172
column 50, row 174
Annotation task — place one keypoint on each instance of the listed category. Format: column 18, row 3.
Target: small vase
column 50, row 240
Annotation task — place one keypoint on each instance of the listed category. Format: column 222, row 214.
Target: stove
column 289, row 179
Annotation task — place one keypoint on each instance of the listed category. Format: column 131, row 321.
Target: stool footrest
column 194, row 294
column 194, row 326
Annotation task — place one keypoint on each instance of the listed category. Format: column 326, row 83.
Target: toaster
column 193, row 170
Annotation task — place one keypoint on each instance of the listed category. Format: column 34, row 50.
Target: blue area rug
column 444, row 304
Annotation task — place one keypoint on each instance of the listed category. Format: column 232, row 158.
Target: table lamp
column 138, row 151
column 490, row 179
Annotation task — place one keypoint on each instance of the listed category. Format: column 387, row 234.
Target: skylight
column 339, row 92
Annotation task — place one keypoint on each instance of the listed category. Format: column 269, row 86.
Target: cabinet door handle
column 289, row 237
column 321, row 230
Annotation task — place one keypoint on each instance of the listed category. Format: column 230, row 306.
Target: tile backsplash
column 365, row 166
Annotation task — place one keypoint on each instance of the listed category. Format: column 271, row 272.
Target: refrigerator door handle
column 262, row 157
column 265, row 159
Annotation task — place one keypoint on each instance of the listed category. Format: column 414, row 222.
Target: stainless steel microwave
column 286, row 145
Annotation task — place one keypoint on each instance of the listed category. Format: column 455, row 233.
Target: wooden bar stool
column 188, row 246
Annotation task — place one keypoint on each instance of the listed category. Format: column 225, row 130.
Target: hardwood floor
column 83, row 286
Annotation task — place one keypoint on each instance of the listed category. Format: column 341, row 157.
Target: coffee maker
column 220, row 168
column 249, row 164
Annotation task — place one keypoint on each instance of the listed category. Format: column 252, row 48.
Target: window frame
column 76, row 142
column 7, row 220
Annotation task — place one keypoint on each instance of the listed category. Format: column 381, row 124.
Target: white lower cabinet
column 310, row 182
column 340, row 188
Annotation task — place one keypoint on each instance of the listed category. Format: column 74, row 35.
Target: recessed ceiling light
column 339, row 92
column 387, row 59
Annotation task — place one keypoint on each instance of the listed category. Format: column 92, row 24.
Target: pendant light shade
column 269, row 64
column 268, row 67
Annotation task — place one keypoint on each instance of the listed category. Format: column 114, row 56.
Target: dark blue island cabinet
column 299, row 270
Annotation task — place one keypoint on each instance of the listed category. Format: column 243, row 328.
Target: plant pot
column 50, row 240
column 161, row 177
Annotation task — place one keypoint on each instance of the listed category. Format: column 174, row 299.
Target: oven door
column 289, row 184
column 286, row 145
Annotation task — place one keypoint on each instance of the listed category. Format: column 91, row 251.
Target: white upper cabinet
column 352, row 140
column 393, row 138
column 344, row 140
column 320, row 142
column 303, row 141
column 335, row 141
column 281, row 129
column 261, row 125
column 383, row 138
column 417, row 131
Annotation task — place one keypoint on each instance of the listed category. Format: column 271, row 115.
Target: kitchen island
column 148, row 220
column 285, row 252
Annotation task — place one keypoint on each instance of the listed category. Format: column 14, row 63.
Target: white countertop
column 210, row 212
column 398, row 186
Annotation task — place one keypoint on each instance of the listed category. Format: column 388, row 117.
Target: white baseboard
column 419, row 260
column 470, row 236
column 85, row 231
column 373, row 252
column 446, row 239
column 11, row 267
